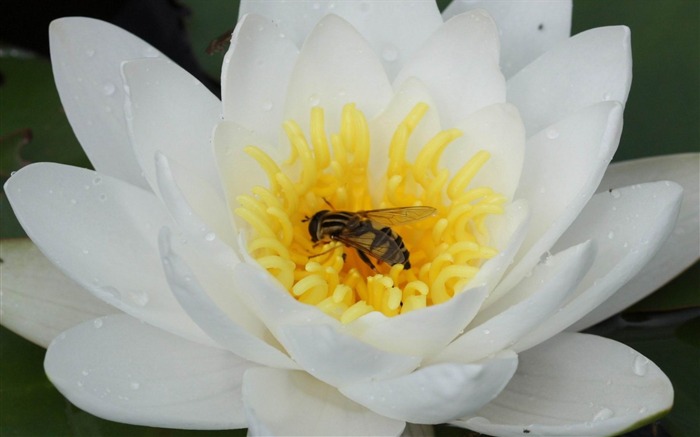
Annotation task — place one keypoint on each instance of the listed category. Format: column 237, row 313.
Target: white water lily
column 192, row 223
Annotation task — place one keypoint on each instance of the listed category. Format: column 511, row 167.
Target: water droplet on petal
column 641, row 365
column 134, row 385
column 611, row 235
column 552, row 134
column 102, row 197
column 90, row 53
column 607, row 96
column 85, row 372
column 486, row 331
column 98, row 324
column 314, row 99
column 138, row 297
column 390, row 53
column 267, row 106
column 108, row 88
column 97, row 180
column 603, row 414
column 73, row 201
column 210, row 236
column 615, row 194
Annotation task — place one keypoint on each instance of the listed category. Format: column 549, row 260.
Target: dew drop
column 150, row 52
column 139, row 298
column 641, row 365
column 90, row 53
column 110, row 292
column 102, row 197
column 108, row 88
column 267, row 106
column 73, row 201
column 135, row 385
column 79, row 384
column 98, row 324
column 607, row 96
column 603, row 414
column 611, row 235
column 615, row 194
column 486, row 331
column 97, row 180
column 390, row 53
column 86, row 252
column 314, row 99
column 552, row 134
column 210, row 236
column 643, row 410
column 85, row 372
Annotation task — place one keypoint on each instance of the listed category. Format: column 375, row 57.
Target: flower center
column 347, row 272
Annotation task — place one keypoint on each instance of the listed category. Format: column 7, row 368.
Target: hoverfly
column 368, row 232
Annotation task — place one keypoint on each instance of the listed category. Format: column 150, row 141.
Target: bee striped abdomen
column 367, row 236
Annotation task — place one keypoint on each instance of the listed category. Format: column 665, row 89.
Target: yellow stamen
column 446, row 250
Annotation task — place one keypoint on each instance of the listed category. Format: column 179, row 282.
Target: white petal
column 313, row 339
column 422, row 332
column 336, row 66
column 168, row 110
column 563, row 165
column 593, row 66
column 38, row 301
column 576, row 385
column 682, row 247
column 459, row 64
column 628, row 226
column 279, row 402
column 496, row 129
column 393, row 29
column 239, row 332
column 533, row 300
column 86, row 55
column 507, row 232
column 437, row 393
column 255, row 75
column 120, row 369
column 338, row 359
column 220, row 238
column 526, row 29
column 102, row 233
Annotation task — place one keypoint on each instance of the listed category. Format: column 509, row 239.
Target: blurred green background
column 662, row 117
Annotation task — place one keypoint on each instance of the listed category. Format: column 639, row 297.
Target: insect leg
column 363, row 256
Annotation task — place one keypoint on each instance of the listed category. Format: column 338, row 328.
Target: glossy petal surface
column 575, row 385
column 38, row 301
column 280, row 402
column 677, row 253
column 86, row 58
column 121, row 369
column 526, row 30
column 436, row 393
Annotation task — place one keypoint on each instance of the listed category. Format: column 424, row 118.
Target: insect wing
column 374, row 242
column 398, row 216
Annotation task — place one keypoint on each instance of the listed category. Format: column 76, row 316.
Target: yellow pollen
column 446, row 250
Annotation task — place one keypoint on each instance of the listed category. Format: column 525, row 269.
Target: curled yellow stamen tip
column 445, row 249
